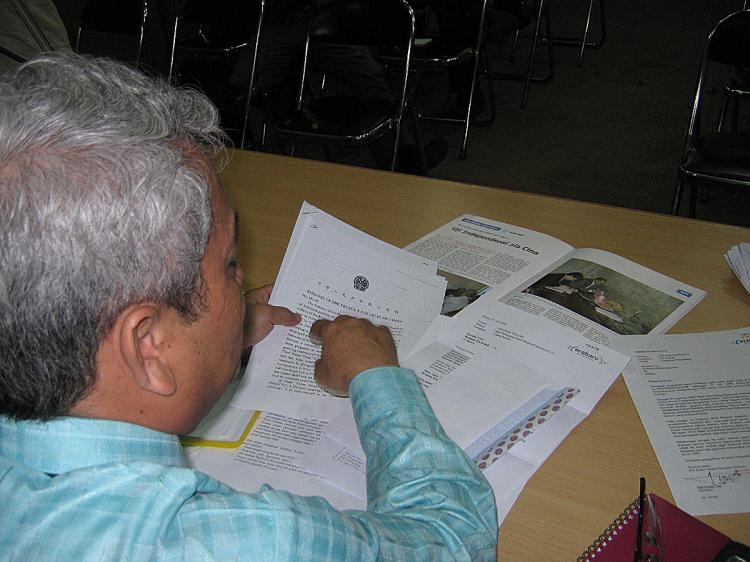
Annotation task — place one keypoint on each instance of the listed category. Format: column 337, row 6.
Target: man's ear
column 143, row 328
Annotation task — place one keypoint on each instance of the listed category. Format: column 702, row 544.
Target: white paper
column 485, row 375
column 333, row 269
column 738, row 258
column 270, row 455
column 562, row 356
column 692, row 392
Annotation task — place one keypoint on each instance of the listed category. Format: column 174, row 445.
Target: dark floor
column 611, row 131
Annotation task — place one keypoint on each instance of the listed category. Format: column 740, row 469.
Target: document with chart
column 493, row 377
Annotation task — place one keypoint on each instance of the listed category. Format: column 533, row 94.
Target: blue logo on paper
column 684, row 293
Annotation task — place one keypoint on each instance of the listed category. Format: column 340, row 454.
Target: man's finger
column 316, row 331
column 281, row 316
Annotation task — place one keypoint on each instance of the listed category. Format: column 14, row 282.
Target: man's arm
column 418, row 480
column 426, row 499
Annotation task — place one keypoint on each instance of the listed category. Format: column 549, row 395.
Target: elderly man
column 121, row 323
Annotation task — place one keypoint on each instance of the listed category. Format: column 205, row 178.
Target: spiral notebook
column 684, row 538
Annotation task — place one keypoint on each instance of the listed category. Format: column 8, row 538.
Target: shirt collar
column 67, row 443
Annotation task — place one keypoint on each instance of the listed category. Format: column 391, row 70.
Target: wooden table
column 594, row 474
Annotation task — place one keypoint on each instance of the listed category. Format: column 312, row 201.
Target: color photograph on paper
column 460, row 293
column 609, row 298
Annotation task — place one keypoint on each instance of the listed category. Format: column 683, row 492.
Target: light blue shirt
column 83, row 489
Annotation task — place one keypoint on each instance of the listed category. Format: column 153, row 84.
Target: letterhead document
column 692, row 392
column 329, row 269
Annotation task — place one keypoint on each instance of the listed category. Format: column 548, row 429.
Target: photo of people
column 605, row 296
column 460, row 293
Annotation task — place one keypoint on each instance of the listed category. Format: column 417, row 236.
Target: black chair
column 210, row 31
column 716, row 158
column 121, row 17
column 584, row 42
column 438, row 55
column 524, row 17
column 339, row 120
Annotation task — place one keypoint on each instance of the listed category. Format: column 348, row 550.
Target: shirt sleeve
column 426, row 499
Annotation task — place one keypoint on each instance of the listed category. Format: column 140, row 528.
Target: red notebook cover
column 684, row 538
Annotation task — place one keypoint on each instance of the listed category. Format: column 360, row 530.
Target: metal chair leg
column 676, row 197
column 585, row 34
column 723, row 111
column 583, row 42
column 418, row 141
column 512, row 56
column 264, row 132
column 485, row 60
column 467, row 118
column 693, row 200
column 543, row 12
column 534, row 41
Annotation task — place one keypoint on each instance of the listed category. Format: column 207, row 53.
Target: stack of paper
column 494, row 377
column 329, row 269
column 519, row 357
column 738, row 258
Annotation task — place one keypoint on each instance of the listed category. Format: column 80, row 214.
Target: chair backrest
column 374, row 23
column 729, row 42
column 223, row 26
column 125, row 17
column 243, row 13
column 379, row 23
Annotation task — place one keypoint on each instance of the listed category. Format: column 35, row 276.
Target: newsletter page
column 602, row 295
column 477, row 255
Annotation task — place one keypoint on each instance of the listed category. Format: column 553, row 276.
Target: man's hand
column 350, row 346
column 261, row 317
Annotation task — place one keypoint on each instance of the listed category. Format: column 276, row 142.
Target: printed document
column 493, row 377
column 692, row 392
column 329, row 269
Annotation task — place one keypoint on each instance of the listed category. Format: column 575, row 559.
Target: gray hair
column 101, row 207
